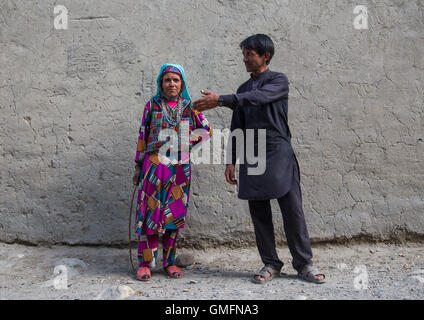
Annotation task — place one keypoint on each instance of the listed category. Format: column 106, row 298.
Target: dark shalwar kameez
column 262, row 103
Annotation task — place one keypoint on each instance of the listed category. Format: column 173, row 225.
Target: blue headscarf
column 184, row 94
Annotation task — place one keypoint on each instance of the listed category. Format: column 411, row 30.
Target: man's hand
column 136, row 176
column 209, row 101
column 230, row 174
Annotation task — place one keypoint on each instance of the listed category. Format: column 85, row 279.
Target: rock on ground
column 184, row 260
column 116, row 293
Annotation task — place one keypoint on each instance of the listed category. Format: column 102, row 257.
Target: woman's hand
column 230, row 174
column 136, row 176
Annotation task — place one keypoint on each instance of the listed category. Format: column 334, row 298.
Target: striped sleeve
column 143, row 134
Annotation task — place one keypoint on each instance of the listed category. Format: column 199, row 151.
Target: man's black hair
column 261, row 43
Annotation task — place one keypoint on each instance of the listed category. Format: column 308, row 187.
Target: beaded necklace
column 172, row 115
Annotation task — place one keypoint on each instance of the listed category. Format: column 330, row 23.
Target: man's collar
column 260, row 75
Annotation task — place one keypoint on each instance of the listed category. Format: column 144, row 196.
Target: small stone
column 418, row 271
column 193, row 282
column 342, row 266
column 419, row 278
column 116, row 293
column 372, row 251
column 299, row 297
column 184, row 260
column 71, row 262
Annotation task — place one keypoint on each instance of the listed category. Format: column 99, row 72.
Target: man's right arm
column 275, row 89
column 227, row 100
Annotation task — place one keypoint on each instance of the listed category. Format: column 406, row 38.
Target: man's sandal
column 174, row 272
column 267, row 273
column 309, row 273
column 143, row 274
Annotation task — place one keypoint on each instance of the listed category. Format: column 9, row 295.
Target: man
column 262, row 103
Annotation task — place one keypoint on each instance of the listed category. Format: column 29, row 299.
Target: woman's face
column 171, row 84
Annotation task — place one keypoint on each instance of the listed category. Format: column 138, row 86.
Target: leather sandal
column 309, row 273
column 267, row 272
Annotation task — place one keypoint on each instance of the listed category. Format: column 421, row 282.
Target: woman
column 164, row 190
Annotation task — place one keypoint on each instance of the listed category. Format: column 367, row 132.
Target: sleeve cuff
column 228, row 100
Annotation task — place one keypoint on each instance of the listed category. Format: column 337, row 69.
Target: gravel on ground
column 353, row 271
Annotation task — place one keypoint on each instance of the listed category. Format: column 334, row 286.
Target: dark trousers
column 294, row 228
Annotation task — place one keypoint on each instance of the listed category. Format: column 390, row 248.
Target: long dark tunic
column 262, row 103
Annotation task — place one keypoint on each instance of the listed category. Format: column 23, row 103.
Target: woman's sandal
column 174, row 272
column 309, row 273
column 267, row 272
column 143, row 274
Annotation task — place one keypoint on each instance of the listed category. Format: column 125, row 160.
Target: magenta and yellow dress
column 164, row 191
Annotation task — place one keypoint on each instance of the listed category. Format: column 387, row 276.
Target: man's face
column 253, row 61
column 171, row 84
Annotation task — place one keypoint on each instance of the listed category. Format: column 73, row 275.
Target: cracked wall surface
column 71, row 103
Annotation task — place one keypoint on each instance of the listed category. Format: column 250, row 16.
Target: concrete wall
column 71, row 102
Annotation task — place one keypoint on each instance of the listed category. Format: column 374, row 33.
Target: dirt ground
column 355, row 271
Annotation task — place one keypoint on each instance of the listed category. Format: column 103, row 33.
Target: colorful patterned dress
column 164, row 188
